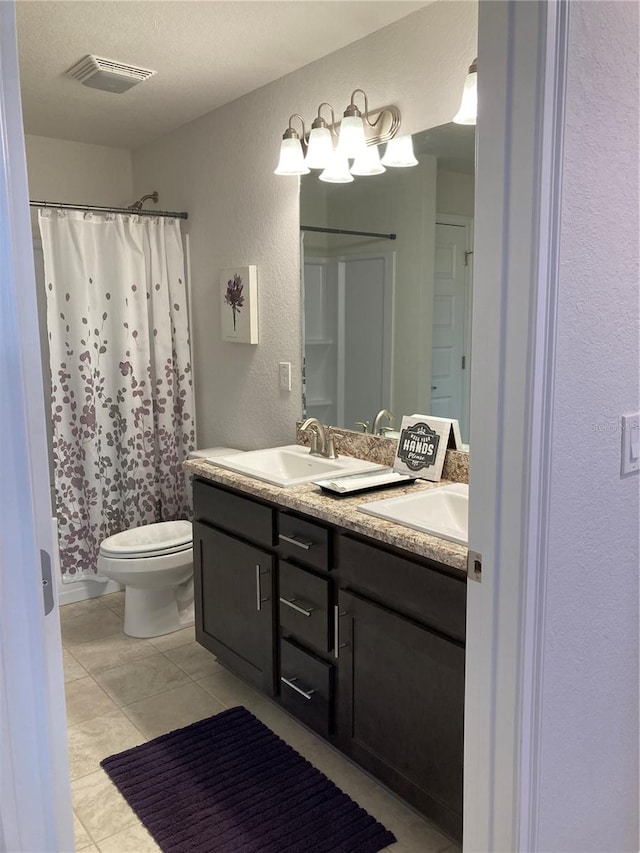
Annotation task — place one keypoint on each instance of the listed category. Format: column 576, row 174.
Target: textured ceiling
column 206, row 54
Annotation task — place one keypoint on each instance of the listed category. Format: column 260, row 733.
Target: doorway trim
column 517, row 227
column 465, row 222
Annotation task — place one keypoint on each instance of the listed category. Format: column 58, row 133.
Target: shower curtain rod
column 343, row 231
column 96, row 209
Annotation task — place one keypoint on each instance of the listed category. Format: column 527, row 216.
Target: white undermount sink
column 443, row 511
column 290, row 465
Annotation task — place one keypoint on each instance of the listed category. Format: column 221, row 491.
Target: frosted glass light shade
column 291, row 159
column 399, row 153
column 368, row 163
column 320, row 150
column 337, row 172
column 468, row 112
column 352, row 141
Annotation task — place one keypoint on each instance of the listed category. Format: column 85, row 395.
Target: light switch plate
column 630, row 444
column 285, row 375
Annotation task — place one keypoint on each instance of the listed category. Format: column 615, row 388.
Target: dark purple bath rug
column 228, row 784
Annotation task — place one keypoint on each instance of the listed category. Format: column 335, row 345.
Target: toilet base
column 153, row 612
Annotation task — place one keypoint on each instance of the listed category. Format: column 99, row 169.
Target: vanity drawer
column 303, row 541
column 413, row 589
column 306, row 687
column 231, row 512
column 305, row 606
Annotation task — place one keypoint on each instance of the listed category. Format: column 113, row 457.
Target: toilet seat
column 150, row 540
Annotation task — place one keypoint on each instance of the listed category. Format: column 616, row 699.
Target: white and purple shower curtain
column 122, row 400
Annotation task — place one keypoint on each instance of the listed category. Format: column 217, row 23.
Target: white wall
column 455, row 193
column 59, row 170
column 220, row 169
column 589, row 763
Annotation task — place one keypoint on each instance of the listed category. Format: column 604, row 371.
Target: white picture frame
column 239, row 304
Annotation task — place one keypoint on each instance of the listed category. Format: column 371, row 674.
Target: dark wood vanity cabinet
column 235, row 582
column 400, row 638
column 363, row 643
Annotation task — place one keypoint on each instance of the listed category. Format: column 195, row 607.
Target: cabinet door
column 234, row 601
column 401, row 706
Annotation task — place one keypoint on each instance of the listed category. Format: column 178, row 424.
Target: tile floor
column 122, row 692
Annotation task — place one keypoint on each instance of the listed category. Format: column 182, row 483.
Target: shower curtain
column 121, row 388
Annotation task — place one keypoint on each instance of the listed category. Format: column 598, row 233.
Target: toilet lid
column 150, row 540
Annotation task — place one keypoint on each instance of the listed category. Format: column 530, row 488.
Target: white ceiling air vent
column 107, row 74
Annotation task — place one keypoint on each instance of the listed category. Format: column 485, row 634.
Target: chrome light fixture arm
column 391, row 114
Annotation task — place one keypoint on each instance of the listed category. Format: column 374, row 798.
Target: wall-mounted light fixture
column 331, row 145
column 468, row 112
column 291, row 153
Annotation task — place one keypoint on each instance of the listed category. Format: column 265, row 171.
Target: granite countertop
column 342, row 511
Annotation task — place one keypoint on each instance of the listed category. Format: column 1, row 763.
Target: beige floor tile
column 100, row 806
column 133, row 839
column 90, row 849
column 80, row 608
column 412, row 831
column 131, row 682
column 85, row 700
column 195, row 660
column 90, row 626
column 175, row 639
column 115, row 601
column 453, row 848
column 82, row 837
column 72, row 669
column 109, row 652
column 172, row 710
column 95, row 739
column 229, row 690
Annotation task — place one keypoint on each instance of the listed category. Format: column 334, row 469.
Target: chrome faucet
column 376, row 429
column 322, row 441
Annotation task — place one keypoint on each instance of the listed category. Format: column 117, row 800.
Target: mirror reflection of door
column 451, row 324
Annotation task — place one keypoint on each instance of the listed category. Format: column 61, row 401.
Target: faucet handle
column 364, row 425
column 331, row 452
column 313, row 442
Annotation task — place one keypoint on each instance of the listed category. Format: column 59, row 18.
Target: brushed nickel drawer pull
column 259, row 599
column 295, row 604
column 258, row 593
column 337, row 613
column 295, row 540
column 290, row 683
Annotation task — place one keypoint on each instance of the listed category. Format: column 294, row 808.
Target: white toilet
column 155, row 565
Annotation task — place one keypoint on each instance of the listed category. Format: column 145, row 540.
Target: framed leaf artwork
column 239, row 304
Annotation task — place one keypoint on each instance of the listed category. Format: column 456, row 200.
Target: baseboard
column 83, row 589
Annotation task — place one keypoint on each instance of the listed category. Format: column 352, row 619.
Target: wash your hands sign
column 422, row 445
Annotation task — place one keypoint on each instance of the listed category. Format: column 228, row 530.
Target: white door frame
column 465, row 222
column 35, row 796
column 522, row 49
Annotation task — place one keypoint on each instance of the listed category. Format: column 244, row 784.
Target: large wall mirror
column 387, row 316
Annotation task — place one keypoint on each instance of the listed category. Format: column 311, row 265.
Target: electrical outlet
column 285, row 376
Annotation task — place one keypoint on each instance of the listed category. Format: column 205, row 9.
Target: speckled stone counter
column 342, row 511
